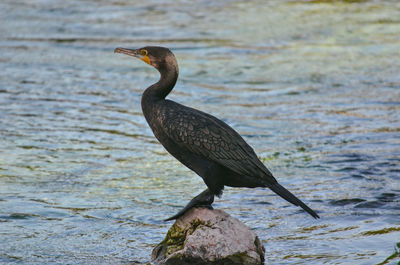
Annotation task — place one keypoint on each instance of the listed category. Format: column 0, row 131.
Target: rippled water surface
column 313, row 86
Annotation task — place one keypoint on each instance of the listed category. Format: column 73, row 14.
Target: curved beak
column 129, row 52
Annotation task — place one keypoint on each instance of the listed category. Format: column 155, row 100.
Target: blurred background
column 313, row 86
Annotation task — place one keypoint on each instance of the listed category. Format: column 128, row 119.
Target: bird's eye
column 143, row 52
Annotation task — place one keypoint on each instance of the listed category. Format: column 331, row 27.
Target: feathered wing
column 205, row 135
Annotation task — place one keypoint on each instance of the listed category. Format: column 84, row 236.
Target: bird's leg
column 204, row 199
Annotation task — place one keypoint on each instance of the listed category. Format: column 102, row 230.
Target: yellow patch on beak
column 146, row 59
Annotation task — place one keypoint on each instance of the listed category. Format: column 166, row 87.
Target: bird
column 203, row 143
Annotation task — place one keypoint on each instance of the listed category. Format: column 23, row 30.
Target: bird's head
column 158, row 57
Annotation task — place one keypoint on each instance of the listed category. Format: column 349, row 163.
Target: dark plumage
column 203, row 143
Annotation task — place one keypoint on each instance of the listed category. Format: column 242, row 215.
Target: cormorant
column 200, row 141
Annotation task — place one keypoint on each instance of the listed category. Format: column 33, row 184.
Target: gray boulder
column 209, row 237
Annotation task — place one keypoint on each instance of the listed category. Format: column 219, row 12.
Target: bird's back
column 187, row 130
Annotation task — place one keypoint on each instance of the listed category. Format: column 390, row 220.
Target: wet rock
column 208, row 237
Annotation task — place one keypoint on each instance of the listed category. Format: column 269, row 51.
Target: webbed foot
column 204, row 199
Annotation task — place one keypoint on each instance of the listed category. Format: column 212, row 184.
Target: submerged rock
column 208, row 237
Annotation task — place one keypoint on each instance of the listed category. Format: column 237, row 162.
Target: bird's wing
column 211, row 138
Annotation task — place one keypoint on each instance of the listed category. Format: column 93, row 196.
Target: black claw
column 206, row 206
column 176, row 216
column 184, row 210
column 204, row 199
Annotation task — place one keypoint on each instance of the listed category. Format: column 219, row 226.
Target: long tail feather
column 287, row 195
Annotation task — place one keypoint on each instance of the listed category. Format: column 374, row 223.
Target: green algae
column 395, row 255
column 176, row 235
column 381, row 231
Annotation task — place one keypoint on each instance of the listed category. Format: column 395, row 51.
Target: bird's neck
column 168, row 76
column 163, row 87
column 159, row 90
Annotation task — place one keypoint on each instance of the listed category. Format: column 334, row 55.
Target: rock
column 208, row 237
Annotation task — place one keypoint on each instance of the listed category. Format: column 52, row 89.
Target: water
column 314, row 86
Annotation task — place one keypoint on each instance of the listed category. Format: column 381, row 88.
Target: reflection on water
column 312, row 85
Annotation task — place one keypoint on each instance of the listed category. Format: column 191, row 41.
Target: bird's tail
column 287, row 195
